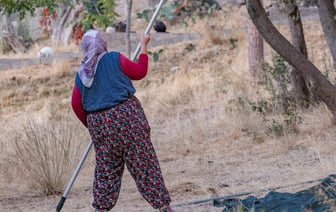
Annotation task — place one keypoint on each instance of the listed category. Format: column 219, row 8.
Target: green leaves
column 24, row 7
column 144, row 14
column 99, row 12
column 167, row 12
column 10, row 7
column 155, row 54
column 190, row 47
column 209, row 8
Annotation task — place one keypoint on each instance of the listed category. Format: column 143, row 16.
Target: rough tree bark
column 300, row 88
column 255, row 51
column 316, row 82
column 128, row 27
column 327, row 13
column 70, row 18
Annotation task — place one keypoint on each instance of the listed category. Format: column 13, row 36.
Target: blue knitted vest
column 110, row 85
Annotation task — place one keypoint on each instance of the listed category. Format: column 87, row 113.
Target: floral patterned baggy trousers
column 121, row 135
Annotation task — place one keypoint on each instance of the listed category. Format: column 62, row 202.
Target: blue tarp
column 318, row 198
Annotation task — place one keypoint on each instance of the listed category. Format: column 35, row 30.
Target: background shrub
column 47, row 151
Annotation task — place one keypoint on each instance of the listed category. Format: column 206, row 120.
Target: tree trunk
column 316, row 82
column 255, row 51
column 9, row 36
column 128, row 27
column 327, row 13
column 300, row 89
column 9, row 24
column 71, row 17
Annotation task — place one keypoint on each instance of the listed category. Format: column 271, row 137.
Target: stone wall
column 117, row 40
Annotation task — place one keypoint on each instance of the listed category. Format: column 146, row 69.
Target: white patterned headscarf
column 94, row 47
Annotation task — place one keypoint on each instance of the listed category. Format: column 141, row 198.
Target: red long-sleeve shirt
column 135, row 71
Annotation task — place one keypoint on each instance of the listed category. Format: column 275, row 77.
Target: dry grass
column 35, row 84
column 45, row 151
column 206, row 141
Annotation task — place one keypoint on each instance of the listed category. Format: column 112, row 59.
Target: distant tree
column 70, row 17
column 128, row 27
column 9, row 7
column 255, row 50
column 71, row 14
column 24, row 7
column 99, row 12
column 317, row 83
column 327, row 13
column 9, row 36
column 296, row 76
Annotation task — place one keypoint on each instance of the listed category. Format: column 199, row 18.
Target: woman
column 103, row 99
